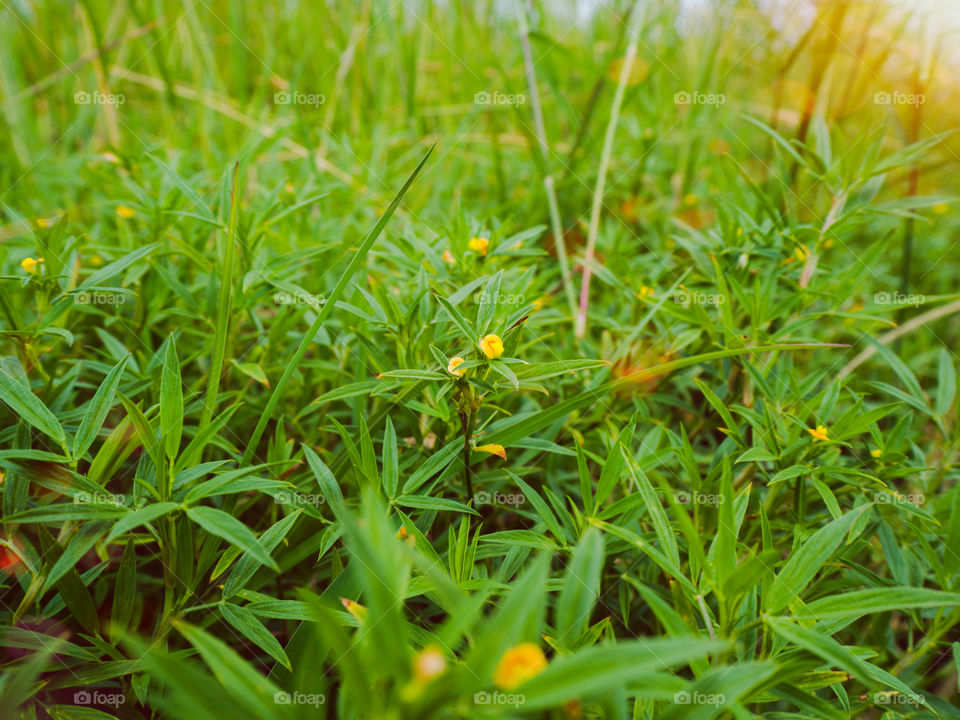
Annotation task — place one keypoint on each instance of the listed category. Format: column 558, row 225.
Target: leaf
column 28, row 406
column 76, row 548
column 217, row 522
column 857, row 603
column 581, row 588
column 171, row 402
column 822, row 646
column 98, row 409
column 601, row 668
column 308, row 337
column 141, row 516
column 125, row 591
column 248, row 563
column 946, row 383
column 255, row 631
column 433, row 503
column 806, row 560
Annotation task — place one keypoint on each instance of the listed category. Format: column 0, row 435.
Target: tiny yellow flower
column 645, row 292
column 455, row 362
column 125, row 212
column 519, row 664
column 690, row 199
column 356, row 609
column 428, row 664
column 30, row 264
column 491, row 346
column 493, row 449
column 876, row 452
column 820, row 433
column 479, row 244
column 448, row 257
column 46, row 222
column 539, row 303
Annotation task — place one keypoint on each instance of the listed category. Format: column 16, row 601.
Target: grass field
column 446, row 359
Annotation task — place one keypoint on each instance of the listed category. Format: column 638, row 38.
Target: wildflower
column 539, row 302
column 479, row 244
column 125, row 212
column 876, row 452
column 47, row 222
column 820, row 433
column 448, row 257
column 491, row 346
column 493, row 449
column 455, row 362
column 645, row 292
column 428, row 664
column 30, row 264
column 358, row 611
column 518, row 664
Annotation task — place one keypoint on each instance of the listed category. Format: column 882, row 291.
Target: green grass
column 711, row 475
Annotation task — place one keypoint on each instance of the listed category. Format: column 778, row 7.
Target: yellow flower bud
column 455, row 362
column 518, row 665
column 428, row 664
column 492, row 346
column 30, row 264
column 493, row 449
column 479, row 245
column 820, row 433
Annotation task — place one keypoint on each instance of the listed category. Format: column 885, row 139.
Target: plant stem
column 581, row 323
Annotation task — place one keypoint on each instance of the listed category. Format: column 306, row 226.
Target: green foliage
column 297, row 418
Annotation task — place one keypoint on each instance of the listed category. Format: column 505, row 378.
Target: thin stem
column 548, row 183
column 625, row 69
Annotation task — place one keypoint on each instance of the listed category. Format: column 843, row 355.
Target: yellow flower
column 30, row 264
column 448, row 257
column 876, row 452
column 428, row 664
column 479, row 245
column 47, row 222
column 492, row 346
column 820, row 433
column 452, row 367
column 690, row 199
column 356, row 609
column 645, row 292
column 493, row 449
column 518, row 665
column 125, row 212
